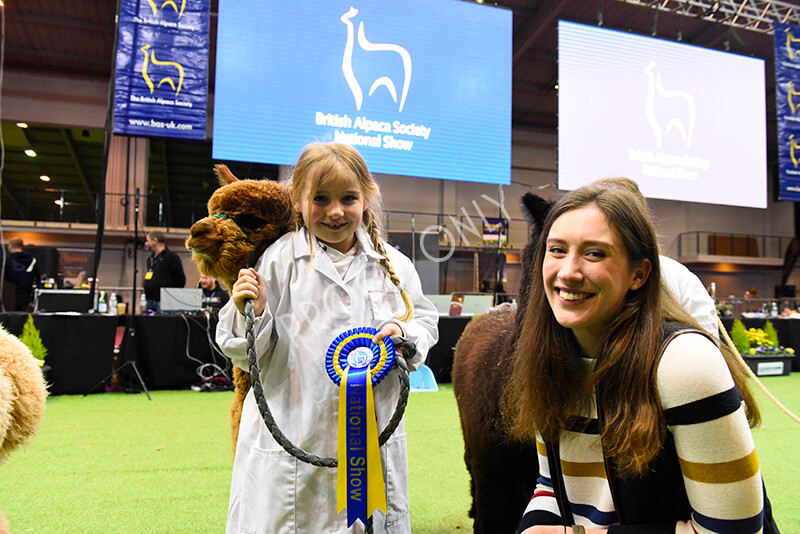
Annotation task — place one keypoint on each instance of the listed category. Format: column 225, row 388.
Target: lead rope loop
column 269, row 420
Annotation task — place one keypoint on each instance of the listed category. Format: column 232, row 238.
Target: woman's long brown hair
column 550, row 384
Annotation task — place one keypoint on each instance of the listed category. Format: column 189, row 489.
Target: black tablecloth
column 79, row 347
column 173, row 350
column 788, row 332
column 440, row 357
column 168, row 349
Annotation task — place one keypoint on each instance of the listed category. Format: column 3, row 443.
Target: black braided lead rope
column 266, row 414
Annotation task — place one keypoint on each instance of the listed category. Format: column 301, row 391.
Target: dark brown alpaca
column 244, row 218
column 503, row 471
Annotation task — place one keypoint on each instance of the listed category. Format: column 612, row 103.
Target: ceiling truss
column 756, row 15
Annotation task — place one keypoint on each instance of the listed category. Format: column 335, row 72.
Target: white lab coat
column 308, row 305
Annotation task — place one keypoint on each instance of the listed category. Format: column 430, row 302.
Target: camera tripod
column 120, row 335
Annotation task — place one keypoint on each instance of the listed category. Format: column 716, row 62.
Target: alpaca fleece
column 23, row 393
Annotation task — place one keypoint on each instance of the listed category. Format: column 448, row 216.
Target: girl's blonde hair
column 320, row 162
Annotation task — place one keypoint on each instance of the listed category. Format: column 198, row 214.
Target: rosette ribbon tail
column 359, row 485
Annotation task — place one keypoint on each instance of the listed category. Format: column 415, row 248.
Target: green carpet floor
column 113, row 463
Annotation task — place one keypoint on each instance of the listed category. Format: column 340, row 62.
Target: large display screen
column 687, row 123
column 420, row 87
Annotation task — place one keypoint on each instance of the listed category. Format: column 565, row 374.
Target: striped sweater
column 713, row 442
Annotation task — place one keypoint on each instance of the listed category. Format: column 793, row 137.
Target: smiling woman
column 587, row 274
column 624, row 395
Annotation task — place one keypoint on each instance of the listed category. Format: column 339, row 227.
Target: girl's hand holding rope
column 389, row 330
column 249, row 285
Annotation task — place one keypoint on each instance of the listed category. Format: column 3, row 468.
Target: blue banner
column 787, row 99
column 161, row 85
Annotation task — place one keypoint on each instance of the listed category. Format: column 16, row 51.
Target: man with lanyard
column 214, row 296
column 164, row 269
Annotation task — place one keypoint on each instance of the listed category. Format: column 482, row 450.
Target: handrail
column 71, row 206
column 698, row 243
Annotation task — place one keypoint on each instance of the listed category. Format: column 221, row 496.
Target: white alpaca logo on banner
column 347, row 62
column 678, row 106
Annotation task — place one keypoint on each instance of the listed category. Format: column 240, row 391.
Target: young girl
column 630, row 438
column 332, row 274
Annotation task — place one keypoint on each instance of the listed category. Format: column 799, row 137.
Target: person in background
column 164, row 269
column 640, row 419
column 750, row 306
column 214, row 295
column 23, row 271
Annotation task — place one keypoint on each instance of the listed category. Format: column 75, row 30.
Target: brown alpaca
column 22, row 398
column 503, row 471
column 244, row 218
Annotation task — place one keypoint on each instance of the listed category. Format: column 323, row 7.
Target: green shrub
column 772, row 334
column 739, row 336
column 31, row 338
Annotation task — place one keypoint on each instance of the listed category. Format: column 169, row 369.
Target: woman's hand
column 249, row 285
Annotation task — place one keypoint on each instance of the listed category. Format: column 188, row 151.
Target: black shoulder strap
column 557, row 477
column 673, row 330
column 628, row 500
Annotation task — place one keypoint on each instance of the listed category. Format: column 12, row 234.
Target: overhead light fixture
column 556, row 87
column 21, row 124
column 30, row 153
column 44, row 178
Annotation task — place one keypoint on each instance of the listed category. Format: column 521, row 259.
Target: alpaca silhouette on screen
column 150, row 55
column 668, row 110
column 385, row 81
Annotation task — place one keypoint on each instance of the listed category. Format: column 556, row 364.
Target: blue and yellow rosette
column 356, row 364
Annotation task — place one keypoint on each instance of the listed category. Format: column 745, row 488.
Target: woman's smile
column 570, row 295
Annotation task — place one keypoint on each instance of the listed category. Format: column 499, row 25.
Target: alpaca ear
column 535, row 208
column 224, row 175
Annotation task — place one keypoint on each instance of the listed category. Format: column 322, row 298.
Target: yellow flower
column 789, row 350
column 752, row 351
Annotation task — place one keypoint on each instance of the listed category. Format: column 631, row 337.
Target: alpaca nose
column 200, row 228
column 197, row 232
